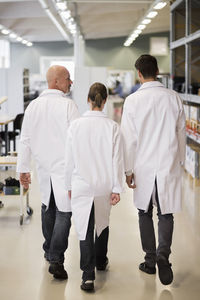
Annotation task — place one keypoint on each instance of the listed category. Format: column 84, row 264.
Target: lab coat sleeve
column 129, row 137
column 181, row 132
column 118, row 162
column 24, row 155
column 69, row 161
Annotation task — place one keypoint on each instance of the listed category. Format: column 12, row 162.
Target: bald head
column 58, row 78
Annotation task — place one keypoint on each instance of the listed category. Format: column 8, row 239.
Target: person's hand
column 130, row 181
column 70, row 194
column 114, row 198
column 25, row 179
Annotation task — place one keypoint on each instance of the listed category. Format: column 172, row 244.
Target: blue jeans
column 55, row 227
column 147, row 234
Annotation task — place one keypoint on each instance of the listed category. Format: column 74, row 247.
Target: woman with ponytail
column 94, row 162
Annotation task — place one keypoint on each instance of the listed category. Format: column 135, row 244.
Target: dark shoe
column 87, row 285
column 103, row 266
column 165, row 271
column 145, row 268
column 46, row 256
column 58, row 271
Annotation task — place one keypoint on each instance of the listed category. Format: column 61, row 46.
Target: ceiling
column 96, row 18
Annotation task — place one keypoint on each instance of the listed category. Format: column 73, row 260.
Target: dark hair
column 97, row 94
column 147, row 65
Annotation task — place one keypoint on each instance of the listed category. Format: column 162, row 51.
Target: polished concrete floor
column 24, row 272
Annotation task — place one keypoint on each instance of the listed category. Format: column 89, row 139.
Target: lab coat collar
column 52, row 92
column 94, row 113
column 150, row 84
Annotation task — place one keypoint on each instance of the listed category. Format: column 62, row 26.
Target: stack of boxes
column 192, row 162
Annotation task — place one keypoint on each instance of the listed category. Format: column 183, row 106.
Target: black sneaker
column 145, row 268
column 103, row 266
column 58, row 271
column 87, row 285
column 165, row 271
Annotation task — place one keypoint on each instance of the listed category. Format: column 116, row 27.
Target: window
column 47, row 61
column 159, row 46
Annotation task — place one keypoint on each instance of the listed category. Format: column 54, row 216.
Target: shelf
column 185, row 40
column 25, row 192
column 190, row 98
column 175, row 4
column 195, row 138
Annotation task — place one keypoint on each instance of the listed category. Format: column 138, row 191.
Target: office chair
column 17, row 124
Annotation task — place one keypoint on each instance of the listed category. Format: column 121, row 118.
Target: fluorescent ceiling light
column 61, row 5
column 160, row 5
column 137, row 31
column 12, row 35
column 66, row 14
column 141, row 27
column 5, row 31
column 152, row 14
column 19, row 39
column 29, row 44
column 58, row 25
column 134, row 35
column 146, row 21
column 72, row 26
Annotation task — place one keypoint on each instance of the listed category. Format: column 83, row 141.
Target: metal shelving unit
column 185, row 70
column 184, row 49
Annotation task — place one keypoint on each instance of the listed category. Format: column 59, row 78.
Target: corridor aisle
column 23, row 270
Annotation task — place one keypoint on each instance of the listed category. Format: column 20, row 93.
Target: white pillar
column 79, row 50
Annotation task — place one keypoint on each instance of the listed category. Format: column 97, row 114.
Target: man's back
column 153, row 125
column 48, row 121
column 44, row 133
column 155, row 112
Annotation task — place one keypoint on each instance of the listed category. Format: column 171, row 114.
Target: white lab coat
column 153, row 129
column 94, row 161
column 44, row 132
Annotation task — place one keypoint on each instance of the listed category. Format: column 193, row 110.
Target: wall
column 29, row 57
column 112, row 53
column 98, row 53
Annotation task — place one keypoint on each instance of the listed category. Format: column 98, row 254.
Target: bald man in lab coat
column 43, row 136
column 153, row 129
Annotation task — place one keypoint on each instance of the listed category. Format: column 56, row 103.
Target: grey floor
column 24, row 272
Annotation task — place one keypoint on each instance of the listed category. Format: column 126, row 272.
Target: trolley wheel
column 21, row 220
column 29, row 211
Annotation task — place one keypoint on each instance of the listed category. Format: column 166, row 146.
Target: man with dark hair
column 153, row 129
column 147, row 65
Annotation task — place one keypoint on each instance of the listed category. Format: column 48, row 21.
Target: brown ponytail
column 97, row 94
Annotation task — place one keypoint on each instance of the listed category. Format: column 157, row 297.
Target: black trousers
column 147, row 234
column 93, row 253
column 55, row 227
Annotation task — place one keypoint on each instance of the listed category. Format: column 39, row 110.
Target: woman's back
column 94, row 141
